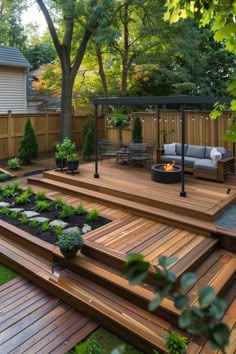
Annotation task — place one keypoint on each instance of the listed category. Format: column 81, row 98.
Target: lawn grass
column 6, row 274
column 106, row 342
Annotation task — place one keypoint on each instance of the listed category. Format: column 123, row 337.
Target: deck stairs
column 93, row 281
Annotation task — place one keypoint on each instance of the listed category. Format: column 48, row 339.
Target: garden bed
column 45, row 229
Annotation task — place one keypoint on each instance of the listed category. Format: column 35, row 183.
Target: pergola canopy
column 182, row 101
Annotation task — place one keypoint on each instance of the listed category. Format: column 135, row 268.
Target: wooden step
column 136, row 325
column 156, row 213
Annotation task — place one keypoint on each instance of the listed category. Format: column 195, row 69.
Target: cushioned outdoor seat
column 205, row 164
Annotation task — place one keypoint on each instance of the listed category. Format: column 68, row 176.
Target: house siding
column 12, row 89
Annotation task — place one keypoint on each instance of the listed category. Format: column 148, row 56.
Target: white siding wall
column 12, row 89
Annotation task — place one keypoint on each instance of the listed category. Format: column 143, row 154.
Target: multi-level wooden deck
column 148, row 218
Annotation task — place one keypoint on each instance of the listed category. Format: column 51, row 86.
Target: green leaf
column 154, row 303
column 171, row 276
column 185, row 319
column 206, row 296
column 221, row 334
column 197, row 312
column 136, row 269
column 217, row 308
column 166, row 261
column 233, row 105
column 181, row 301
column 188, row 279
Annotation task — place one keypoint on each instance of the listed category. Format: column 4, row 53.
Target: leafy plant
column 14, row 164
column 57, row 230
column 66, row 148
column 80, row 209
column 175, row 343
column 5, row 177
column 165, row 133
column 72, row 157
column 23, row 219
column 89, row 139
column 45, row 226
column 28, row 147
column 5, row 211
column 41, row 195
column 42, row 205
column 22, row 198
column 58, row 202
column 34, row 223
column 60, row 155
column 29, row 190
column 137, row 131
column 70, row 240
column 202, row 320
column 14, row 214
column 93, row 214
column 11, row 189
column 66, row 212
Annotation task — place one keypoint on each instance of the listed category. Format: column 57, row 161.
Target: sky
column 33, row 15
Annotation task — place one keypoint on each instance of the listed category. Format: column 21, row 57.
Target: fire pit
column 169, row 173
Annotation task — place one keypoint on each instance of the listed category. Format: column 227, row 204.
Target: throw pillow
column 169, row 149
column 215, row 156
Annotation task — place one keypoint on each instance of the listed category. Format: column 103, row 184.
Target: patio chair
column 139, row 153
column 108, row 149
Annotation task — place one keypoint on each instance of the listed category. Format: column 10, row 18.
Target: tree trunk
column 66, row 106
column 101, row 71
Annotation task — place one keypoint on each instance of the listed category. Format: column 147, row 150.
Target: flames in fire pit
column 169, row 166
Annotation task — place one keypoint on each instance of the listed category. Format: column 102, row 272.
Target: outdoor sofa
column 200, row 160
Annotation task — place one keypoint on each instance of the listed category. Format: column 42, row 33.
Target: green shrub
column 5, row 177
column 23, row 219
column 89, row 140
column 57, row 230
column 14, row 214
column 66, row 212
column 93, row 214
column 34, row 223
column 14, row 164
column 28, row 147
column 5, row 211
column 64, row 149
column 58, row 202
column 23, row 198
column 11, row 189
column 137, row 131
column 42, row 205
column 175, row 343
column 80, row 209
column 45, row 226
column 70, row 240
column 41, row 195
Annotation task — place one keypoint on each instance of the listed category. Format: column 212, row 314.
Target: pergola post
column 96, row 174
column 182, row 192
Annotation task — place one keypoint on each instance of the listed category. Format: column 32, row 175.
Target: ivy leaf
column 136, row 269
column 181, row 301
column 217, row 308
column 171, row 276
column 206, row 296
column 221, row 335
column 188, row 279
column 185, row 319
column 166, row 261
column 154, row 303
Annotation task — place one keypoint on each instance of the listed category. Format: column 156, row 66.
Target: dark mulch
column 52, row 214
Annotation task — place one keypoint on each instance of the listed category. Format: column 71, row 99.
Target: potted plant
column 70, row 242
column 60, row 158
column 72, row 162
column 119, row 120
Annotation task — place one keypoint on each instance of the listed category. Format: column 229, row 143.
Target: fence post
column 10, row 151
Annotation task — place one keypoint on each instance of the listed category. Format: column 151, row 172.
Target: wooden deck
column 142, row 221
column 33, row 321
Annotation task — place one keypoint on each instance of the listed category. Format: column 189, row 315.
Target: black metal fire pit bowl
column 158, row 174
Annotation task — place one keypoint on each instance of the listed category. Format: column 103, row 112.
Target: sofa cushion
column 220, row 149
column 179, row 149
column 190, row 161
column 215, row 156
column 170, row 158
column 169, row 149
column 196, row 151
column 205, row 164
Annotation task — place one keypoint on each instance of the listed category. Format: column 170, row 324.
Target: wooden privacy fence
column 199, row 128
column 47, row 129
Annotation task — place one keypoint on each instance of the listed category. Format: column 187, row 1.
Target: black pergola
column 180, row 101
